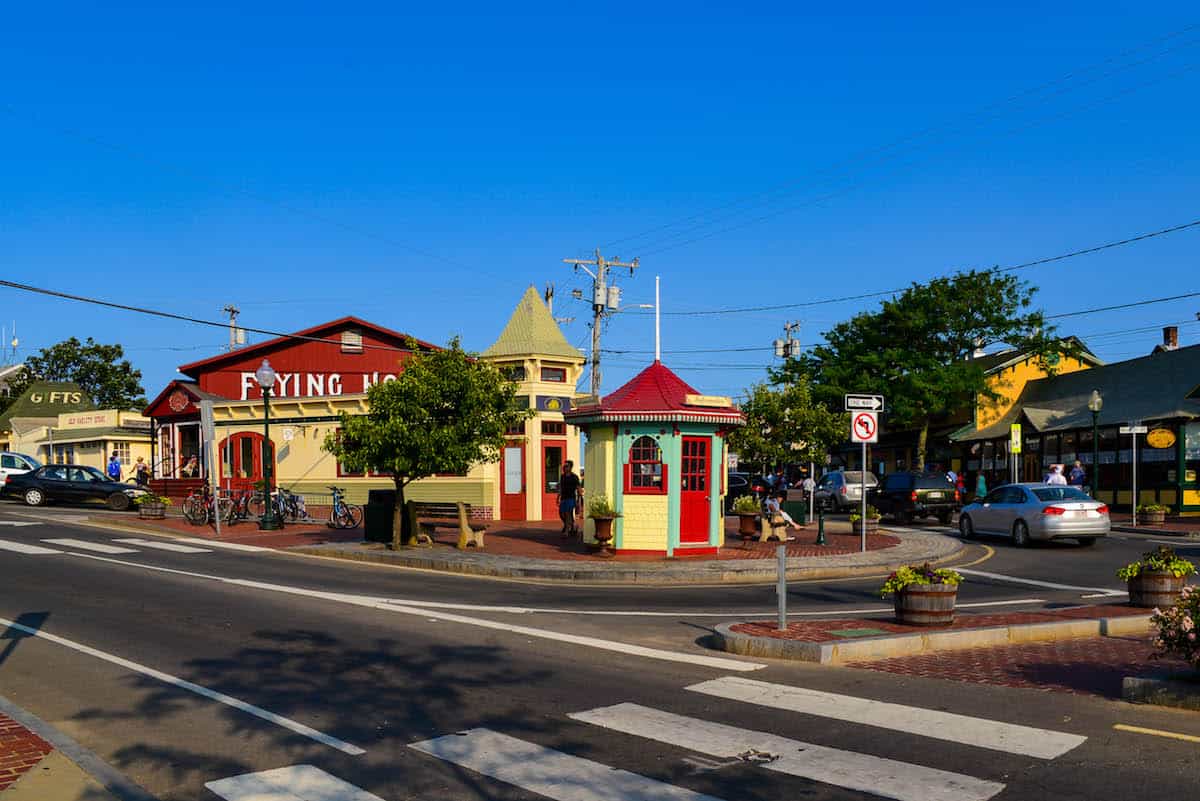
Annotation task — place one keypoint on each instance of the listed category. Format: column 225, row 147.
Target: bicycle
column 342, row 514
column 202, row 506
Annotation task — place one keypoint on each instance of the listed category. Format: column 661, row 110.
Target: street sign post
column 1014, row 450
column 864, row 428
column 870, row 403
column 1133, row 429
column 208, row 434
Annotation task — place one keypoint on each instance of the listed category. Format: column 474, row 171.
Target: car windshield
column 855, row 477
column 1061, row 494
column 94, row 474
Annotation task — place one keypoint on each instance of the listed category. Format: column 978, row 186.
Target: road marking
column 981, row 732
column 547, row 772
column 719, row 663
column 1180, row 541
column 1036, row 583
column 888, row 778
column 84, row 545
column 17, row 523
column 21, row 547
column 163, row 546
column 229, row 546
column 293, row 783
column 228, row 700
column 1173, row 735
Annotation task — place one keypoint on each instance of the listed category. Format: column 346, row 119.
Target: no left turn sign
column 864, row 427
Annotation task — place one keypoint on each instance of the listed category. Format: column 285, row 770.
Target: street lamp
column 1094, row 405
column 265, row 376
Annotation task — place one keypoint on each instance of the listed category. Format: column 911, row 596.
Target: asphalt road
column 183, row 669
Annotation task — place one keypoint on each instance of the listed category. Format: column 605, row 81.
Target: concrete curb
column 1171, row 689
column 869, row 649
column 1159, row 532
column 923, row 547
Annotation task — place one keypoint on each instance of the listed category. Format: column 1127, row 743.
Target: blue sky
column 420, row 168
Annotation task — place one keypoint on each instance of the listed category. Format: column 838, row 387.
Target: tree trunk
column 922, row 440
column 400, row 534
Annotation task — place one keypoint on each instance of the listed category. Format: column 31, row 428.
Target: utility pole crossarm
column 605, row 301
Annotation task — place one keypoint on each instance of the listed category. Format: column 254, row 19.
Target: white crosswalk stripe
column 980, row 732
column 23, row 547
column 84, row 545
column 163, row 546
column 293, row 783
column 547, row 772
column 230, row 546
column 887, row 778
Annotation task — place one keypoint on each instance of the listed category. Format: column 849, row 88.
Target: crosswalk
column 124, row 546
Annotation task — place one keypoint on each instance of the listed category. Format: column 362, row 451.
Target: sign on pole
column 1133, row 429
column 1014, row 442
column 864, row 427
column 871, row 403
column 208, row 432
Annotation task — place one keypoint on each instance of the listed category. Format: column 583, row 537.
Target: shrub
column 914, row 574
column 1153, row 507
column 872, row 514
column 745, row 505
column 1177, row 628
column 1161, row 560
column 601, row 506
column 151, row 498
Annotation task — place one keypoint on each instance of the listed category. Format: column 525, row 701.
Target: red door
column 512, row 481
column 694, row 491
column 242, row 460
column 553, row 456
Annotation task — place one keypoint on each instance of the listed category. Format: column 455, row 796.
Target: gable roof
column 995, row 362
column 189, row 388
column 46, row 399
column 655, row 393
column 1160, row 386
column 531, row 330
column 318, row 333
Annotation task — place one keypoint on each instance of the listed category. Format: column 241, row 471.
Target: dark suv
column 905, row 496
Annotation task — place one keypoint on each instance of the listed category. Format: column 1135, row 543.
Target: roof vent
column 352, row 341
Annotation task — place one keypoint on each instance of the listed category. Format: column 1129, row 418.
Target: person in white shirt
column 1056, row 476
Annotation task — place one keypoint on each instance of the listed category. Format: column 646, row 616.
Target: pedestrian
column 141, row 472
column 1056, row 478
column 1077, row 476
column 191, row 467
column 781, row 482
column 774, row 508
column 114, row 467
column 981, row 486
column 568, row 498
column 809, row 485
column 952, row 476
column 960, row 484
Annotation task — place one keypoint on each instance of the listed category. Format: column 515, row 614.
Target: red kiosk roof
column 656, row 393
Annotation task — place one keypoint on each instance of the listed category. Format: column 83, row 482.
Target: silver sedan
column 1036, row 512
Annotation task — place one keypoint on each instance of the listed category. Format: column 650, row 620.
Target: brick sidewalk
column 20, row 751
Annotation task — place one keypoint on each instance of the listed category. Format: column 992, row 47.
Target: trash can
column 798, row 510
column 378, row 515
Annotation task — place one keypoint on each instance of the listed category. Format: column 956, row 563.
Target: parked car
column 14, row 464
column 72, row 483
column 910, row 495
column 736, row 485
column 1036, row 512
column 842, row 491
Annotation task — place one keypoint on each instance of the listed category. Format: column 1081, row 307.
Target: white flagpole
column 657, row 326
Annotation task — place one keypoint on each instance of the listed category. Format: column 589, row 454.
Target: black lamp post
column 265, row 376
column 1094, row 405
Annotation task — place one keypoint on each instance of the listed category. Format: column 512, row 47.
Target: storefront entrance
column 695, row 494
column 512, row 494
column 242, row 460
column 553, row 456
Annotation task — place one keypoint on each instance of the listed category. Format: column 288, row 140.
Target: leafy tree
column 100, row 370
column 917, row 348
column 784, row 424
column 445, row 412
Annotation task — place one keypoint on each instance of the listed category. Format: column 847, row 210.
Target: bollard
column 781, row 586
column 821, row 527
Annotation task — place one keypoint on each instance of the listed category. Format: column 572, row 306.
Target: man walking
column 1078, row 476
column 568, row 495
column 114, row 467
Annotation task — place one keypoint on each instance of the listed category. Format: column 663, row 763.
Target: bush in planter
column 873, row 515
column 923, row 574
column 1177, row 626
column 600, row 506
column 1162, row 560
column 150, row 499
column 745, row 505
column 1153, row 508
column 1156, row 579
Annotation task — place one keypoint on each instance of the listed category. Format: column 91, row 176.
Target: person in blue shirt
column 114, row 467
column 1078, row 476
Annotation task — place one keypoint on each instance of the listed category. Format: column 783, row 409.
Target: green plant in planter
column 872, row 514
column 1153, row 507
column 918, row 574
column 151, row 499
column 1161, row 560
column 600, row 506
column 745, row 505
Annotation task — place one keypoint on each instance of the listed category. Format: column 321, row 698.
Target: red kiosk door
column 694, row 492
column 512, row 482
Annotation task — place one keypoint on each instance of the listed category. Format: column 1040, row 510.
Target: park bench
column 429, row 517
column 770, row 529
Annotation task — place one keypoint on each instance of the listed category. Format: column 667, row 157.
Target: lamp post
column 265, row 376
column 1094, row 405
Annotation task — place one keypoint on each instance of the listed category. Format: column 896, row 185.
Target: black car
column 736, row 485
column 70, row 482
column 906, row 496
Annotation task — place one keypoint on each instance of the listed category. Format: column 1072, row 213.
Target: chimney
column 1170, row 337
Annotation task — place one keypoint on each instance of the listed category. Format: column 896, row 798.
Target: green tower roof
column 531, row 330
column 47, row 399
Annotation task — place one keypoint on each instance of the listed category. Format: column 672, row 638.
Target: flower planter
column 152, row 511
column 926, row 604
column 604, row 534
column 1152, row 518
column 1155, row 589
column 856, row 527
column 748, row 525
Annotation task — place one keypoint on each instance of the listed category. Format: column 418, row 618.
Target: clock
column 178, row 400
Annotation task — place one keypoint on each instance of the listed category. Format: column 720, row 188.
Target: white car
column 14, row 464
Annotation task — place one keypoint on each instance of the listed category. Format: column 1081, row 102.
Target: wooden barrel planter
column 1152, row 518
column 857, row 528
column 1155, row 590
column 926, row 604
column 152, row 511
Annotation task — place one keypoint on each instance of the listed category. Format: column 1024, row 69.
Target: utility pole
column 606, row 299
column 233, row 313
column 789, row 346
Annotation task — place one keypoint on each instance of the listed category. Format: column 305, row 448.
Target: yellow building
column 87, row 438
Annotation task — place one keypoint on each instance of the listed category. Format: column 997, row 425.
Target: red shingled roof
column 658, row 393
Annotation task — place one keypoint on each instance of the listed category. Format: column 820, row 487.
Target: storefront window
column 1157, row 465
column 1191, row 452
column 645, row 473
column 1066, row 449
column 1050, row 450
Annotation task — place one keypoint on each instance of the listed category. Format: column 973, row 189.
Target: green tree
column 917, row 348
column 784, row 424
column 100, row 370
column 446, row 412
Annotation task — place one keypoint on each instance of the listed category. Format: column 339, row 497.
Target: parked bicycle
column 342, row 514
column 201, row 506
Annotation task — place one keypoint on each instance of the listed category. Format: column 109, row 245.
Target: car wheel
column 966, row 528
column 118, row 502
column 1087, row 542
column 1020, row 534
column 34, row 496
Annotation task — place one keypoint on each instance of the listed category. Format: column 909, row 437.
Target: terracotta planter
column 857, row 528
column 604, row 533
column 1155, row 590
column 1152, row 518
column 152, row 511
column 748, row 525
column 926, row 604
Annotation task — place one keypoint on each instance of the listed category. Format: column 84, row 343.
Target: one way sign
column 872, row 403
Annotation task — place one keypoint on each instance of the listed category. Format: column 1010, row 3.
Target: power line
column 1121, row 306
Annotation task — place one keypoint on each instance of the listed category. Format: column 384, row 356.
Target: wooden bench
column 427, row 518
column 769, row 529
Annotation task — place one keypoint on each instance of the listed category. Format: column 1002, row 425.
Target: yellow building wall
column 644, row 521
column 1009, row 382
column 598, row 473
